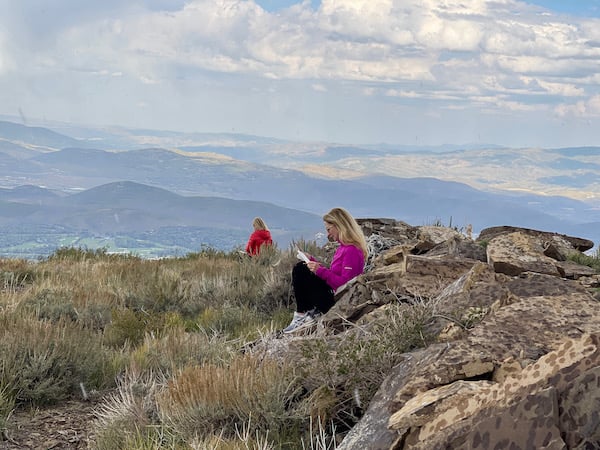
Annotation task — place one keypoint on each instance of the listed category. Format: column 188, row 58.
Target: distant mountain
column 19, row 167
column 28, row 194
column 35, row 136
column 202, row 173
column 414, row 199
column 577, row 151
column 134, row 213
column 128, row 206
column 260, row 155
column 15, row 150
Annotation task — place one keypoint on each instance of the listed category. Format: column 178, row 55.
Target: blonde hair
column 350, row 232
column 259, row 224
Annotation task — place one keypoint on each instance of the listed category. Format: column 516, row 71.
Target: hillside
column 551, row 189
column 139, row 218
column 38, row 137
column 443, row 342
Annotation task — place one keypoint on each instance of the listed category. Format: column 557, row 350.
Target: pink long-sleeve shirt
column 348, row 262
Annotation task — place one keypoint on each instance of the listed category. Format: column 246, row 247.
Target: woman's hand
column 313, row 266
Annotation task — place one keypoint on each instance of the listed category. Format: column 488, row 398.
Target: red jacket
column 258, row 238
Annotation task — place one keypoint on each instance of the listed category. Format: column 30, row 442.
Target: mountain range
column 134, row 182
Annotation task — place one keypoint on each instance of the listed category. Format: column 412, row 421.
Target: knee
column 300, row 267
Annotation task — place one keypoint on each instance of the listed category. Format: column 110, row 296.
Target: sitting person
column 314, row 284
column 259, row 237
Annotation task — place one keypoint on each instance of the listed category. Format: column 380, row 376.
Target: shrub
column 179, row 326
column 217, row 399
column 232, row 322
column 7, row 403
column 269, row 256
column 130, row 327
column 44, row 362
column 342, row 375
column 128, row 417
column 80, row 254
column 49, row 304
column 15, row 274
column 178, row 348
column 592, row 261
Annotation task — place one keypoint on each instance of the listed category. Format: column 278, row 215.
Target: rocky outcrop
column 517, row 357
column 567, row 243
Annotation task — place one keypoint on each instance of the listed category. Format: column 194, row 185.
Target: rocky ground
column 64, row 426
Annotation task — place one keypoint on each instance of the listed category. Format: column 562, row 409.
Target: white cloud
column 5, row 59
column 463, row 54
column 562, row 89
column 589, row 108
column 387, row 40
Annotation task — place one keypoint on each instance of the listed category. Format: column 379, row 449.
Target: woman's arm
column 251, row 245
column 346, row 264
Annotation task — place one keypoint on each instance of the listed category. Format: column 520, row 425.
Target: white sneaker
column 314, row 313
column 299, row 321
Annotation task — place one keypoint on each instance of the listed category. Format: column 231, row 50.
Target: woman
column 314, row 284
column 260, row 236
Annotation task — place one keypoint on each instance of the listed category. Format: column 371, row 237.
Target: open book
column 301, row 255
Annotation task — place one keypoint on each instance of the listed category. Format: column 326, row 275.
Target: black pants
column 310, row 290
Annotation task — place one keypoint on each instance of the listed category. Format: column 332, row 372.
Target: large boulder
column 518, row 252
column 517, row 337
column 560, row 241
column 416, row 277
column 533, row 408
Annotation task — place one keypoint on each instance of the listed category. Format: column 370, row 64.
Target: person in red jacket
column 260, row 236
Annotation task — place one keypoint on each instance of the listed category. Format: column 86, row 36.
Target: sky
column 409, row 72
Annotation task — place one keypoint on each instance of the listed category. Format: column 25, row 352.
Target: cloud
column 6, row 63
column 589, row 108
column 344, row 39
column 503, row 54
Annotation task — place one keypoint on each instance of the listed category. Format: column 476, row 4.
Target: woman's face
column 333, row 234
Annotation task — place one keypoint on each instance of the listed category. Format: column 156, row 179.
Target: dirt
column 64, row 426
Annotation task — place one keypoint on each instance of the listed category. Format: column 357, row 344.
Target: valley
column 156, row 193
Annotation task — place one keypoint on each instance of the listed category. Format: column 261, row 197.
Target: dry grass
column 83, row 317
column 44, row 362
column 226, row 398
column 168, row 336
column 343, row 374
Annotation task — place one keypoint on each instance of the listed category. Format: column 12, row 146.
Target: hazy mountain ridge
column 154, row 207
column 269, row 170
column 37, row 136
column 525, row 170
column 131, row 211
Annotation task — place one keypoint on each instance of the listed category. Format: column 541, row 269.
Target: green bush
column 44, row 362
column 216, row 398
column 592, row 261
column 130, row 327
column 52, row 305
column 7, row 403
column 15, row 274
column 342, row 375
column 185, row 329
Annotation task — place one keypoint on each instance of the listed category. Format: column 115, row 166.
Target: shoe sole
column 301, row 327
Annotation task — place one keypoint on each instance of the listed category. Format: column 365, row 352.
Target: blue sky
column 580, row 8
column 575, row 7
column 428, row 72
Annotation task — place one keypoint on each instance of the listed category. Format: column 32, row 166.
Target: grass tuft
column 217, row 398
